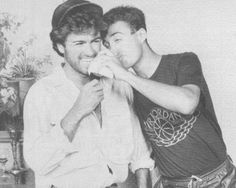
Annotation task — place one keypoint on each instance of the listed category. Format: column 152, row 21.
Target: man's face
column 124, row 43
column 80, row 49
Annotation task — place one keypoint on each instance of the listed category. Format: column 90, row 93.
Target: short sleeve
column 189, row 70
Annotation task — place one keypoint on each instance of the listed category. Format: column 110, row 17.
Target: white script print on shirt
column 166, row 128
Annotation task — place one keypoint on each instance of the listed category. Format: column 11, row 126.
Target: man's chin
column 126, row 64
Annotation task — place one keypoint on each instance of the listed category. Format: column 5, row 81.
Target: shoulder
column 179, row 56
column 187, row 62
column 189, row 55
column 41, row 88
column 42, row 84
column 182, row 59
column 190, row 59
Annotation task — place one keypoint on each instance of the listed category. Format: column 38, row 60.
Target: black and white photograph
column 117, row 94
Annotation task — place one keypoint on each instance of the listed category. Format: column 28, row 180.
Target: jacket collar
column 59, row 77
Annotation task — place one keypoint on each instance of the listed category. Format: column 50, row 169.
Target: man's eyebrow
column 115, row 33
column 83, row 40
column 76, row 41
column 99, row 37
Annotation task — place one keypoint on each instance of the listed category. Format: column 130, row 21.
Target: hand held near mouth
column 97, row 69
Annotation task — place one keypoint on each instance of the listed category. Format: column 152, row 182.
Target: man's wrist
column 143, row 178
column 70, row 123
column 129, row 77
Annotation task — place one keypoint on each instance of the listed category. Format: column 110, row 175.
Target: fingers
column 98, row 91
column 94, row 82
column 107, row 57
column 95, row 85
column 95, row 89
column 99, row 95
column 106, row 52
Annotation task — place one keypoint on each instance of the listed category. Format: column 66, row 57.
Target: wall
column 207, row 27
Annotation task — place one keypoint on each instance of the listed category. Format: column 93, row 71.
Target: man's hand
column 91, row 94
column 112, row 62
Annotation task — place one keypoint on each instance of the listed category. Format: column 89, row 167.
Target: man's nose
column 113, row 49
column 90, row 51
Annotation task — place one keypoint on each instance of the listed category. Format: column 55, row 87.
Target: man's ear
column 61, row 48
column 142, row 34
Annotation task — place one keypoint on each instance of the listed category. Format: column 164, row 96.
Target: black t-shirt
column 183, row 145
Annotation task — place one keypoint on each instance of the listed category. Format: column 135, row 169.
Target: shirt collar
column 60, row 78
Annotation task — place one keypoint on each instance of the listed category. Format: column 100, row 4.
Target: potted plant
column 9, row 26
column 19, row 63
column 23, row 69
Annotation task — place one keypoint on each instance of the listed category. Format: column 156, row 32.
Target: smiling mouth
column 86, row 60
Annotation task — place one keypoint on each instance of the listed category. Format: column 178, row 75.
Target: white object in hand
column 96, row 68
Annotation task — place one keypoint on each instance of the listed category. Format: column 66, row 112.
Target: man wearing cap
column 81, row 132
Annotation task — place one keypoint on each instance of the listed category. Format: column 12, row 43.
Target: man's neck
column 77, row 78
column 148, row 63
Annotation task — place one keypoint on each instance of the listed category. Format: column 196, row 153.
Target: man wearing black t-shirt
column 173, row 103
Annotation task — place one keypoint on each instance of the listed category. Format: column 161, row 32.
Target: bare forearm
column 175, row 98
column 70, row 122
column 143, row 178
column 91, row 94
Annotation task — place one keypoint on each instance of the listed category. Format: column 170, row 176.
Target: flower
column 8, row 99
column 3, row 92
column 8, row 95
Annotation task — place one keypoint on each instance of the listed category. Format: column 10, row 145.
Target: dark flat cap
column 63, row 9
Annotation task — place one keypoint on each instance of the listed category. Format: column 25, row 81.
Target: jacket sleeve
column 45, row 145
column 141, row 155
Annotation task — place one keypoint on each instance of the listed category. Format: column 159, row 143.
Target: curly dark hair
column 131, row 15
column 77, row 21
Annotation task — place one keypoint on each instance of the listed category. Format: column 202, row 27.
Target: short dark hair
column 131, row 15
column 78, row 20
